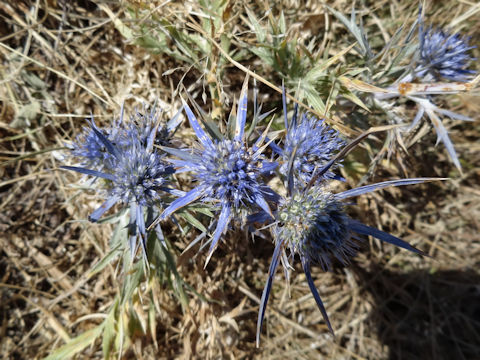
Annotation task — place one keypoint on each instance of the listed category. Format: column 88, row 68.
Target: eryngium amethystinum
column 91, row 150
column 308, row 145
column 228, row 173
column 444, row 55
column 312, row 223
column 143, row 124
column 140, row 174
column 134, row 171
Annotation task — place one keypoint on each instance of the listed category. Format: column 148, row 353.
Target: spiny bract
column 91, row 150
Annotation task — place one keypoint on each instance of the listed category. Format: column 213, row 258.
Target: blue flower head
column 309, row 144
column 312, row 223
column 228, row 172
column 444, row 55
column 135, row 171
column 142, row 126
column 139, row 175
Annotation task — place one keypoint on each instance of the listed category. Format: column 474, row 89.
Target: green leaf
column 26, row 114
column 353, row 28
column 77, row 344
column 201, row 209
column 319, row 70
column 121, row 232
column 179, row 283
column 34, row 81
column 202, row 43
column 105, row 261
column 315, row 101
column 109, row 331
column 112, row 219
column 132, row 281
column 152, row 322
column 135, row 325
column 355, row 72
column 264, row 54
column 151, row 43
column 283, row 24
column 353, row 98
column 332, row 97
column 126, row 31
column 192, row 220
column 257, row 28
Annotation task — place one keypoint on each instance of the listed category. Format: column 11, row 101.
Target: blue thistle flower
column 139, row 174
column 314, row 225
column 91, row 150
column 135, row 173
column 309, row 144
column 444, row 55
column 227, row 172
column 311, row 222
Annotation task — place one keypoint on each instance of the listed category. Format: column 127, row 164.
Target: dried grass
column 61, row 61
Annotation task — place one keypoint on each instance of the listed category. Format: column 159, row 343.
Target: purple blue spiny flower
column 135, row 171
column 228, row 173
column 314, row 225
column 308, row 145
column 91, row 150
column 444, row 55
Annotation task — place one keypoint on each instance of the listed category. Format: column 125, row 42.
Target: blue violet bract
column 444, row 55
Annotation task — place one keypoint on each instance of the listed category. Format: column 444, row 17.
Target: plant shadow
column 424, row 315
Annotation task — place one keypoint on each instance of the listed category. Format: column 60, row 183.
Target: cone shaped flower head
column 313, row 224
column 144, row 125
column 228, row 173
column 140, row 174
column 135, row 173
column 311, row 144
column 308, row 145
column 444, row 56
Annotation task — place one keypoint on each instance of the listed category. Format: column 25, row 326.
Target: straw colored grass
column 62, row 61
